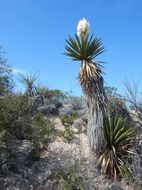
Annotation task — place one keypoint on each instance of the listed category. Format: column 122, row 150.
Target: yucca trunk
column 92, row 84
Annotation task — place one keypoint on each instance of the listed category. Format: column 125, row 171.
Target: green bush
column 68, row 119
column 117, row 106
column 67, row 134
column 116, row 103
column 118, row 133
column 43, row 90
column 77, row 103
column 40, row 134
column 15, row 115
column 74, row 115
column 18, row 121
column 4, row 154
column 67, row 178
column 6, row 82
column 42, row 128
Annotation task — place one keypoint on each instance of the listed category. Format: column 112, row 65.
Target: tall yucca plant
column 118, row 133
column 86, row 48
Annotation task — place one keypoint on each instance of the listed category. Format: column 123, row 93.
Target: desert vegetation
column 50, row 139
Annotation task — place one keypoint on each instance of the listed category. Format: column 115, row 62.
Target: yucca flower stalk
column 85, row 48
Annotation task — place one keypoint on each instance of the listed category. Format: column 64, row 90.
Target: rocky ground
column 38, row 175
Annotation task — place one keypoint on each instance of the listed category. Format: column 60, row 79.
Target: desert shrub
column 117, row 106
column 43, row 90
column 74, row 115
column 79, row 126
column 50, row 106
column 18, row 120
column 68, row 119
column 67, row 134
column 44, row 100
column 118, row 133
column 10, row 109
column 116, row 103
column 40, row 134
column 8, row 115
column 73, row 104
column 15, row 115
column 14, row 124
column 67, row 178
column 76, row 102
column 133, row 97
column 42, row 128
column 4, row 153
column 6, row 82
column 136, row 172
column 51, row 100
column 134, row 177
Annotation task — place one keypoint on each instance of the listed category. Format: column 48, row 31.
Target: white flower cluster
column 83, row 28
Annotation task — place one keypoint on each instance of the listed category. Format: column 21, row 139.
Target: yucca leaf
column 118, row 133
column 118, row 124
column 78, row 42
column 86, row 49
column 72, row 53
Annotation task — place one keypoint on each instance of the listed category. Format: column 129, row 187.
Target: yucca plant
column 86, row 48
column 29, row 81
column 118, row 133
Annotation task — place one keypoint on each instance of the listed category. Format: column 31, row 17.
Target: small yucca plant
column 118, row 133
column 29, row 81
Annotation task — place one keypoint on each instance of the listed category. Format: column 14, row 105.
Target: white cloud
column 16, row 70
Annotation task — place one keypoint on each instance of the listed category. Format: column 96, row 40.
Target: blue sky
column 33, row 34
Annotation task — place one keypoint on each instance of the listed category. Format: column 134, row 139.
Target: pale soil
column 59, row 153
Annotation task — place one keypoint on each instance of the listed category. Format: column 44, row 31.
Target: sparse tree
column 133, row 96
